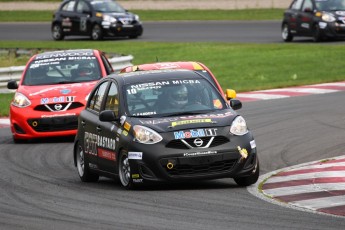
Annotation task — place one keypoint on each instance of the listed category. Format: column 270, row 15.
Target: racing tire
column 96, row 33
column 286, row 33
column 317, row 36
column 125, row 171
column 83, row 168
column 249, row 180
column 57, row 33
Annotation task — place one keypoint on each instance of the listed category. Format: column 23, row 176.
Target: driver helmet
column 178, row 96
column 85, row 69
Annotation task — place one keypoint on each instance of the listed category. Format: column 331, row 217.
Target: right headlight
column 239, row 126
column 21, row 101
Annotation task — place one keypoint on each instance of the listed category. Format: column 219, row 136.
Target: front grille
column 200, row 165
column 178, row 144
column 64, row 107
column 54, row 124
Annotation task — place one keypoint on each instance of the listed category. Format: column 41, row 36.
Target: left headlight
column 239, row 126
column 21, row 101
column 328, row 17
column 146, row 135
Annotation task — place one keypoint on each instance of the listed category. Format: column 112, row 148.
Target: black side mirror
column 12, row 84
column 235, row 104
column 107, row 115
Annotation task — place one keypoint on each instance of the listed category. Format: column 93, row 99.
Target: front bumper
column 160, row 164
column 332, row 29
column 119, row 30
column 27, row 124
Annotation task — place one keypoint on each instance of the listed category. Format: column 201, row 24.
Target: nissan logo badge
column 198, row 142
column 58, row 107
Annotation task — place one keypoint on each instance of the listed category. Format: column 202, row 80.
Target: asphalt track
column 176, row 31
column 40, row 186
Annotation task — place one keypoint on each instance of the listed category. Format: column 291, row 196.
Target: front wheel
column 83, row 169
column 96, row 33
column 317, row 36
column 286, row 33
column 125, row 171
column 249, row 180
column 57, row 33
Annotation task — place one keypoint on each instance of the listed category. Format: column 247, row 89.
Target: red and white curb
column 4, row 122
column 291, row 92
column 317, row 186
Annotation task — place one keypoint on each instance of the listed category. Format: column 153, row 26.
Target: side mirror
column 107, row 115
column 235, row 104
column 230, row 94
column 12, row 84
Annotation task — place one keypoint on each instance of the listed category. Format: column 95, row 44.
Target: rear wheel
column 96, row 33
column 83, row 169
column 249, row 180
column 57, row 32
column 125, row 170
column 286, row 34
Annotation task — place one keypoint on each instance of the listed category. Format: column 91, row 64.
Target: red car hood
column 79, row 90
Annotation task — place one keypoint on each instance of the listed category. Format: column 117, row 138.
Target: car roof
column 191, row 65
column 153, row 75
column 64, row 53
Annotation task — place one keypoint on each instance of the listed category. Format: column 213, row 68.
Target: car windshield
column 62, row 70
column 107, row 6
column 172, row 97
column 330, row 5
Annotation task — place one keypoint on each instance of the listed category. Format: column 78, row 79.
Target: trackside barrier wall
column 15, row 72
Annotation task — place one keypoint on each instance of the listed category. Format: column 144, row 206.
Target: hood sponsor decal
column 193, row 133
column 175, row 119
column 186, row 122
column 199, row 153
column 127, row 126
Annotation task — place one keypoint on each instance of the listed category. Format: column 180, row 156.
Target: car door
column 66, row 16
column 291, row 15
column 109, row 133
column 89, row 124
column 82, row 18
column 305, row 18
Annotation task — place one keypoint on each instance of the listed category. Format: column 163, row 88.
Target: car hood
column 48, row 91
column 121, row 16
column 168, row 124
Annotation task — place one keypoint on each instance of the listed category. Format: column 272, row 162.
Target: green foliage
column 5, row 100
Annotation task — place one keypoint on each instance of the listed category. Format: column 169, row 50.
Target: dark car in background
column 169, row 125
column 94, row 18
column 319, row 19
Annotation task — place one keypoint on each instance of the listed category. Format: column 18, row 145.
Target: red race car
column 52, row 92
column 196, row 66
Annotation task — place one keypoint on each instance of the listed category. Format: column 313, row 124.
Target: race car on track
column 53, row 90
column 163, row 126
column 319, row 19
column 196, row 66
column 94, row 18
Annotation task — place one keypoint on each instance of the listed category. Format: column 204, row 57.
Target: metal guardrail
column 15, row 72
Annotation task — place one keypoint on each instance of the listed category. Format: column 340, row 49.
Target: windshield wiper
column 183, row 113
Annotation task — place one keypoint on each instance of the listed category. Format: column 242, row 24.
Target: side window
column 82, row 7
column 112, row 102
column 308, row 4
column 297, row 5
column 95, row 102
column 69, row 6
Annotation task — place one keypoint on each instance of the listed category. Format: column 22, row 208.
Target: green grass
column 5, row 99
column 159, row 15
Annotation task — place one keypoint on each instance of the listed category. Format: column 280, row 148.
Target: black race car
column 94, row 18
column 319, row 19
column 163, row 126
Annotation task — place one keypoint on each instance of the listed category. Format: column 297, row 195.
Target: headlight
column 136, row 17
column 21, row 101
column 328, row 18
column 108, row 18
column 239, row 126
column 146, row 135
